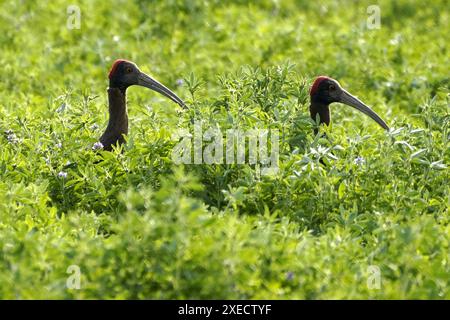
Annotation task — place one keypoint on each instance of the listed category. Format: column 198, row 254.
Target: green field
column 357, row 213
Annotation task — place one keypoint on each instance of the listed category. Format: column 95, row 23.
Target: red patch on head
column 114, row 66
column 316, row 84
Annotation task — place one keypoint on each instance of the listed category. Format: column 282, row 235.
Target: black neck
column 118, row 119
column 321, row 109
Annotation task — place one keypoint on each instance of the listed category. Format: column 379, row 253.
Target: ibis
column 122, row 75
column 325, row 91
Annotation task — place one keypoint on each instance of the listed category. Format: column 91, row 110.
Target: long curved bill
column 354, row 102
column 148, row 82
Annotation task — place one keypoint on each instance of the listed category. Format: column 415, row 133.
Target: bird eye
column 128, row 70
column 332, row 87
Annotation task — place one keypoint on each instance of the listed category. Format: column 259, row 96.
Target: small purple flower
column 12, row 138
column 180, row 82
column 359, row 161
column 58, row 145
column 61, row 108
column 94, row 127
column 97, row 146
column 62, row 175
column 290, row 276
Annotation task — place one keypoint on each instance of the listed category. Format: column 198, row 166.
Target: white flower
column 97, row 146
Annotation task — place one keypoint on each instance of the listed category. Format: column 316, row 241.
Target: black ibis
column 122, row 75
column 325, row 91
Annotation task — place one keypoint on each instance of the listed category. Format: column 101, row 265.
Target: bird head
column 326, row 90
column 124, row 74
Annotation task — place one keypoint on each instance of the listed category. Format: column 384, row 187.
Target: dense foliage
column 140, row 226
